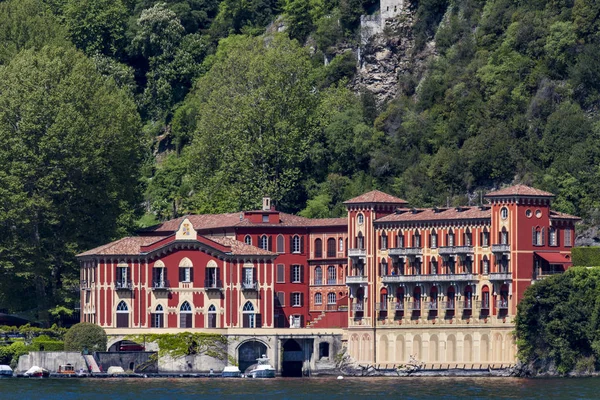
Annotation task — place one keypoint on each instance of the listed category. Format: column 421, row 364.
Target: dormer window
column 265, row 218
column 248, row 240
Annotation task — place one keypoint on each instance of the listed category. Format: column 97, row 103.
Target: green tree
column 85, row 336
column 69, row 162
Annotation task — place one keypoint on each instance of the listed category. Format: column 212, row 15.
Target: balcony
column 160, row 285
column 448, row 305
column 502, row 304
column 249, row 286
column 399, row 306
column 466, row 304
column 413, row 306
column 358, row 307
column 123, row 285
column 455, row 250
column 410, row 252
column 500, row 248
column 381, row 306
column 541, row 274
column 500, row 276
column 213, row 284
column 357, row 253
column 358, row 279
column 431, row 305
column 482, row 305
column 429, row 278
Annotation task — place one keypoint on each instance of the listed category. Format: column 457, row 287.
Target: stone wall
column 51, row 360
column 134, row 361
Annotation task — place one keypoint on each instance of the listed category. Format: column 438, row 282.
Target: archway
column 468, row 348
column 293, row 357
column 484, row 345
column 451, row 348
column 248, row 352
column 383, row 348
column 433, row 348
column 126, row 345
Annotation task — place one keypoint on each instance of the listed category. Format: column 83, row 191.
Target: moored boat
column 231, row 371
column 37, row 372
column 262, row 369
column 6, row 371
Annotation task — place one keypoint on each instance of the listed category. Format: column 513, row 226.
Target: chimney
column 266, row 204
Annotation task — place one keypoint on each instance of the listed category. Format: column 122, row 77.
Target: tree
column 85, row 336
column 69, row 171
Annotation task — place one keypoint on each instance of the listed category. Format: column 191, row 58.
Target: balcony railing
column 500, row 276
column 429, row 278
column 467, row 304
column 502, row 304
column 123, row 285
column 405, row 251
column 213, row 284
column 431, row 305
column 452, row 250
column 358, row 307
column 356, row 279
column 541, row 274
column 381, row 306
column 413, row 305
column 399, row 306
column 357, row 253
column 160, row 285
column 482, row 305
column 500, row 248
column 448, row 305
column 249, row 285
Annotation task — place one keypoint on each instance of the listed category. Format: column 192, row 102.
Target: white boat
column 37, row 372
column 231, row 371
column 262, row 369
column 6, row 371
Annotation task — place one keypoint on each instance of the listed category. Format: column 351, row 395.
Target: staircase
column 314, row 322
column 91, row 364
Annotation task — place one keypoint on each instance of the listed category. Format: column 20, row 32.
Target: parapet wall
column 51, row 360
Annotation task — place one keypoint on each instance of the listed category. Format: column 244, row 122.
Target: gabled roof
column 519, row 190
column 561, row 215
column 430, row 214
column 127, row 246
column 199, row 221
column 240, row 248
column 376, row 196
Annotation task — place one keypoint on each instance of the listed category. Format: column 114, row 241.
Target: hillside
column 116, row 114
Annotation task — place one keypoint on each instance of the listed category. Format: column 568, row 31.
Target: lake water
column 300, row 388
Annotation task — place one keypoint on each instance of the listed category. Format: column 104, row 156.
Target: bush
column 45, row 343
column 85, row 336
column 586, row 256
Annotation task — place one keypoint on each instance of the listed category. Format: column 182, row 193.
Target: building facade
column 440, row 284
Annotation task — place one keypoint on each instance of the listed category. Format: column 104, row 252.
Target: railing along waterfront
column 429, row 278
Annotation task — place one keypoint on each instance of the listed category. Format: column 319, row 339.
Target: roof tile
column 519, row 190
column 376, row 196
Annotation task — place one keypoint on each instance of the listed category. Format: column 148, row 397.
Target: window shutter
column 245, row 320
column 154, row 275
column 302, row 274
column 302, row 245
column 258, row 320
column 291, row 299
column 533, row 239
column 218, row 274
column 301, row 321
column 181, row 275
column 301, row 299
column 270, row 241
column 291, row 244
column 543, row 236
column 191, row 274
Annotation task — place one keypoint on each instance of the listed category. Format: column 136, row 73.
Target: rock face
column 387, row 55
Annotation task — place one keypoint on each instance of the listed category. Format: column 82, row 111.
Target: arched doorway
column 293, row 356
column 122, row 315
column 248, row 352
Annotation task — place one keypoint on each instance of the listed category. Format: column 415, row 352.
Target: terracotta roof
column 199, row 221
column 429, row 214
column 126, row 246
column 519, row 190
column 560, row 215
column 240, row 248
column 328, row 222
column 376, row 196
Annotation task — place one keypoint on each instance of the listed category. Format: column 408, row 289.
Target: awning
column 554, row 257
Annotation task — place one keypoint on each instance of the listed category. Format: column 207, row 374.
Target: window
column 296, row 273
column 331, row 247
column 318, row 248
column 537, row 236
column 185, row 274
column 485, row 300
column 417, row 240
column 296, row 244
column 249, row 318
column 158, row 317
column 504, row 236
column 280, row 273
column 400, row 240
column 384, row 268
column 360, row 218
column 122, row 315
column 296, row 299
column 295, row 321
column 468, row 238
column 433, row 240
column 265, row 218
column 212, row 316
column 434, row 266
column 248, row 239
column 248, row 277
column 331, row 275
column 280, row 244
column 122, row 277
column 158, row 277
column 360, row 241
column 552, row 237
column 185, row 315
column 341, row 245
column 450, row 239
column 318, row 276
column 504, row 213
column 485, row 239
column 528, row 213
column 384, row 243
column 323, row 350
column 318, row 298
column 568, row 238
column 331, row 298
column 264, row 242
column 212, row 278
column 280, row 299
column 486, row 266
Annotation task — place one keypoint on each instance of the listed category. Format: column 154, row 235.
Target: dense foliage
column 85, row 336
column 188, row 343
column 558, row 322
column 586, row 256
column 109, row 109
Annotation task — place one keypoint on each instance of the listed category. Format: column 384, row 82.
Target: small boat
column 66, row 369
column 231, row 371
column 262, row 369
column 6, row 371
column 37, row 372
column 115, row 370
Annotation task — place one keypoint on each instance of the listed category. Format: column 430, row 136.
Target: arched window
column 331, row 298
column 331, row 247
column 296, row 244
column 450, row 238
column 248, row 239
column 318, row 275
column 331, row 275
column 504, row 213
column 122, row 315
column 450, row 304
column 186, row 271
column 318, row 248
column 485, row 265
column 552, row 236
column 249, row 318
column 185, row 315
column 538, row 236
column 360, row 219
column 318, row 299
column 341, row 245
column 468, row 238
column 503, row 236
column 417, row 239
column 158, row 318
column 280, row 244
column 400, row 240
column 485, row 298
column 433, row 240
column 360, row 241
column 485, row 237
column 384, row 268
column 159, row 275
column 264, row 242
column 434, row 266
column 384, row 241
column 212, row 316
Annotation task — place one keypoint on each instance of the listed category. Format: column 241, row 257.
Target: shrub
column 85, row 336
column 586, row 256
